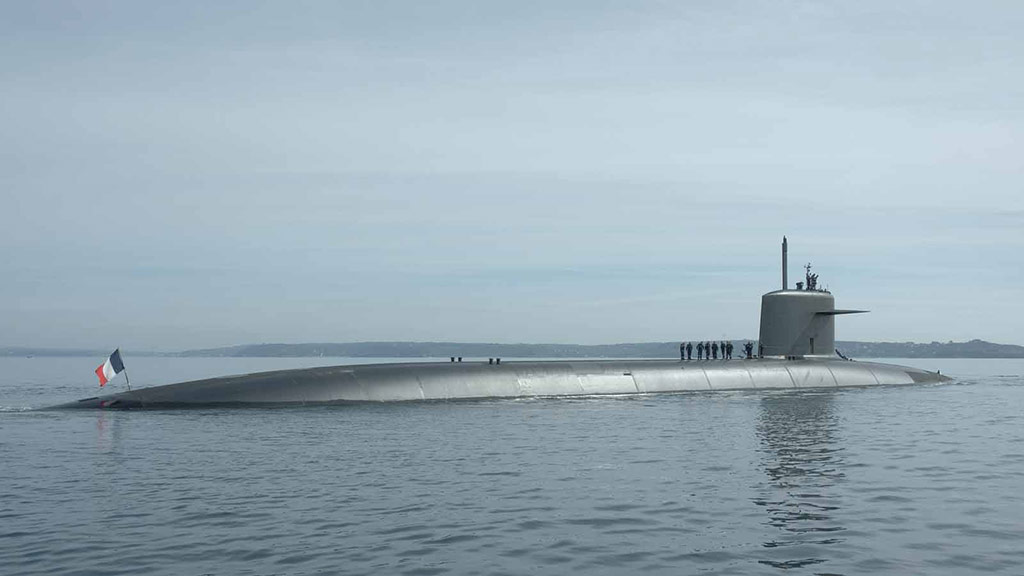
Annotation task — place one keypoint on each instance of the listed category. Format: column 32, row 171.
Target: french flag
column 112, row 367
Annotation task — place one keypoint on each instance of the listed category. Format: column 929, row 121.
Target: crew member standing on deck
column 682, row 351
column 700, row 350
column 729, row 345
column 689, row 350
column 714, row 350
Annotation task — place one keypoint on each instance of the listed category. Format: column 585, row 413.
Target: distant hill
column 971, row 349
column 22, row 351
column 445, row 349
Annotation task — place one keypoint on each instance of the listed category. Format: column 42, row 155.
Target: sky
column 196, row 174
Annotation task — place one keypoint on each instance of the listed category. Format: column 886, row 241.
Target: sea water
column 899, row 480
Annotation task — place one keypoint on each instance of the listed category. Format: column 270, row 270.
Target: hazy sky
column 192, row 174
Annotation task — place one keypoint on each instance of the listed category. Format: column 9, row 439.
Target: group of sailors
column 711, row 350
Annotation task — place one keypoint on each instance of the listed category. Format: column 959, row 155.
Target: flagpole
column 126, row 380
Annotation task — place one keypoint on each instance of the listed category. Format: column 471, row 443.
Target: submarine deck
column 426, row 381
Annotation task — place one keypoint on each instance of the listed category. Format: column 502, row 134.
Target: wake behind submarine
column 797, row 340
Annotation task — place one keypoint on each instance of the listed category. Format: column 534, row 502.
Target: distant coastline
column 970, row 349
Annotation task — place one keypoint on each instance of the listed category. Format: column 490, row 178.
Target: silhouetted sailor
column 700, row 350
column 728, row 346
column 682, row 350
column 714, row 350
column 689, row 350
column 748, row 349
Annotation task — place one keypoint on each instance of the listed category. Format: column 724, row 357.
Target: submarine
column 796, row 350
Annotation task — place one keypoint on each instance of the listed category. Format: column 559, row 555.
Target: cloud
column 530, row 171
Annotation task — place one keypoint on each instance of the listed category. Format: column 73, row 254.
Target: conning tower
column 799, row 322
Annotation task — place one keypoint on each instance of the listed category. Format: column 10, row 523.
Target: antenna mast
column 785, row 263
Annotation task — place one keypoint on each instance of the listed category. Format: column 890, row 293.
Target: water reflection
column 108, row 431
column 801, row 458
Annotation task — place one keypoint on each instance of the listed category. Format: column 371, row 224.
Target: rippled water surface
column 898, row 480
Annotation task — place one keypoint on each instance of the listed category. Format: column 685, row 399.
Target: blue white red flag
column 112, row 367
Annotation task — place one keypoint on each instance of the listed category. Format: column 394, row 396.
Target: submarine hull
column 456, row 381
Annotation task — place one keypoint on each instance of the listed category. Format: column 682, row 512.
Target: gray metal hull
column 456, row 381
